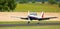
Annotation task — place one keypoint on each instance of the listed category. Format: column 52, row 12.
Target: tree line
column 10, row 5
column 7, row 5
column 42, row 1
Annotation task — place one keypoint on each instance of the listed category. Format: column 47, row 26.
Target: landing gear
column 28, row 22
column 38, row 22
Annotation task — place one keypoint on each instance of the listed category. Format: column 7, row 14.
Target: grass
column 32, row 27
column 36, row 7
column 25, row 22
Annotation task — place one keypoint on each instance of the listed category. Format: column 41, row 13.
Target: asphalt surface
column 33, row 24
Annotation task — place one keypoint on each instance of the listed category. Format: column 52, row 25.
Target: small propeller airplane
column 33, row 16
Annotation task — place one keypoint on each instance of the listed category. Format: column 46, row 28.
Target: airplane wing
column 26, row 18
column 46, row 18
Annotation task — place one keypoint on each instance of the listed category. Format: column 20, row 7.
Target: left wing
column 19, row 17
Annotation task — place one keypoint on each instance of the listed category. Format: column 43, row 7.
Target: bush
column 23, row 1
column 43, row 1
column 59, row 5
column 6, row 5
column 52, row 1
column 33, row 1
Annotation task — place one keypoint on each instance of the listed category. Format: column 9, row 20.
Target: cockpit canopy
column 33, row 13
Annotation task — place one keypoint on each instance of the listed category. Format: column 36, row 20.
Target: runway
column 33, row 24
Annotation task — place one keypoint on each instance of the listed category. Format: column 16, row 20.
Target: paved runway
column 33, row 24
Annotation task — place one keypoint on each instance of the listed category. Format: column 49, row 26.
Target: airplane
column 33, row 16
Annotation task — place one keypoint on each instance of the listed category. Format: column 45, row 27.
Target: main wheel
column 37, row 23
column 28, row 22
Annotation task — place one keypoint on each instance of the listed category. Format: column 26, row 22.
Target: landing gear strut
column 28, row 20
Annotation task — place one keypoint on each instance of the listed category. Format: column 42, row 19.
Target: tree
column 33, row 1
column 1, row 7
column 6, row 5
column 43, row 1
column 23, row 1
column 59, row 5
column 52, row 1
column 11, row 4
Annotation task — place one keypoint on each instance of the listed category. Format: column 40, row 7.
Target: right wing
column 47, row 18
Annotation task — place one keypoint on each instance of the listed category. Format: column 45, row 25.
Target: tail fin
column 42, row 15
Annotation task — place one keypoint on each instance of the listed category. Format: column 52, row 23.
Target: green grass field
column 25, row 22
column 37, row 7
column 32, row 27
